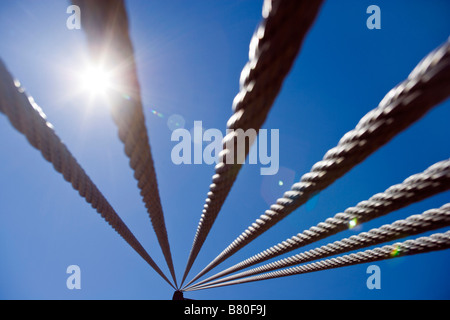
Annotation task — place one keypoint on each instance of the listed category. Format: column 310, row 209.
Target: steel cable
column 105, row 23
column 273, row 49
column 435, row 242
column 417, row 187
column 29, row 119
column 429, row 220
column 426, row 86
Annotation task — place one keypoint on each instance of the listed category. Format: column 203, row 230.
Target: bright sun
column 96, row 80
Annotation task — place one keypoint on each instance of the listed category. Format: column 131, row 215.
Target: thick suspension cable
column 415, row 188
column 273, row 49
column 435, row 242
column 426, row 86
column 429, row 220
column 106, row 25
column 29, row 119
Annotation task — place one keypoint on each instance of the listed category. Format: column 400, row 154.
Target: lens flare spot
column 395, row 252
column 353, row 223
column 175, row 121
column 273, row 186
column 156, row 113
column 312, row 202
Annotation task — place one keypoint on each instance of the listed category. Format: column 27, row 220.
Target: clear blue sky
column 189, row 56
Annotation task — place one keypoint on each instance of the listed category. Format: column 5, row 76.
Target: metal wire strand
column 105, row 23
column 415, row 188
column 426, row 86
column 429, row 220
column 273, row 49
column 435, row 242
column 29, row 119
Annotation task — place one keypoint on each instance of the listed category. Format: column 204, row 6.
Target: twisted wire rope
column 273, row 49
column 426, row 86
column 105, row 23
column 435, row 242
column 433, row 180
column 261, row 80
column 29, row 119
column 427, row 221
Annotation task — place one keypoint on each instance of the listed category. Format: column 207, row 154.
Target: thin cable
column 417, row 187
column 429, row 220
column 435, row 242
column 426, row 86
column 106, row 25
column 29, row 119
column 273, row 49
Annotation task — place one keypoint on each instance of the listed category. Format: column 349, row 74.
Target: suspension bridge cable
column 426, row 86
column 429, row 220
column 29, row 119
column 415, row 188
column 273, row 49
column 105, row 23
column 435, row 242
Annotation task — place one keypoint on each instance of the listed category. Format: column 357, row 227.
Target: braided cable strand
column 273, row 49
column 106, row 26
column 435, row 242
column 29, row 119
column 426, row 86
column 427, row 221
column 417, row 187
